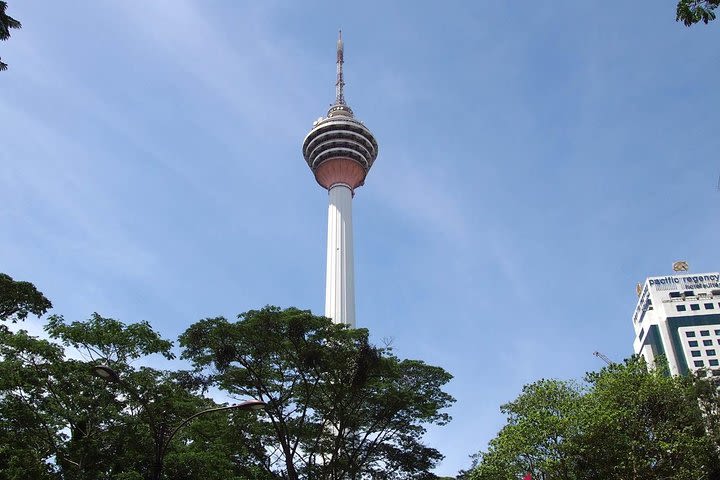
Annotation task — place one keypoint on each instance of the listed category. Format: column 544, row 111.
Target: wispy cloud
column 250, row 70
column 47, row 174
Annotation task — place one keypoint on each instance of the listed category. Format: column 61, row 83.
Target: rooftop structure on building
column 678, row 317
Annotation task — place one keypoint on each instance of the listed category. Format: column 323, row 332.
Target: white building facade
column 678, row 317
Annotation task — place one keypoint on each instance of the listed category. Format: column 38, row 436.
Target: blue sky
column 535, row 163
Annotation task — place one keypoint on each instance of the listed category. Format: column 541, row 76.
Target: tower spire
column 340, row 83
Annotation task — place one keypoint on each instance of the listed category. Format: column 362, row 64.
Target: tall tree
column 625, row 423
column 19, row 299
column 58, row 421
column 640, row 423
column 338, row 407
column 537, row 439
column 691, row 12
column 6, row 23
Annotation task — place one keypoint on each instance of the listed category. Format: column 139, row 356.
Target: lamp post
column 110, row 375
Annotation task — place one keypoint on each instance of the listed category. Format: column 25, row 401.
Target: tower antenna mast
column 340, row 83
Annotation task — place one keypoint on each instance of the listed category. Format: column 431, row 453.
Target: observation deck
column 340, row 149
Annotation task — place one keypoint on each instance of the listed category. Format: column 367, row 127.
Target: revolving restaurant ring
column 340, row 149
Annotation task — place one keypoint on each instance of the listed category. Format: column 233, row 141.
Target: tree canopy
column 6, row 24
column 19, row 299
column 624, row 422
column 338, row 407
column 691, row 12
column 58, row 421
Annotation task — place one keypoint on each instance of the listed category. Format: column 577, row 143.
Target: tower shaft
column 340, row 276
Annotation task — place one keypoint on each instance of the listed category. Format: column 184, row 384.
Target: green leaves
column 109, row 339
column 6, row 23
column 337, row 406
column 626, row 422
column 19, row 299
column 59, row 421
column 691, row 12
column 535, row 439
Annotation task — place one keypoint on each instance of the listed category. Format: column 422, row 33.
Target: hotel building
column 678, row 317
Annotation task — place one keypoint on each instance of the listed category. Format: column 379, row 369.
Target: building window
column 695, row 353
column 705, row 333
column 717, row 332
column 693, row 343
column 674, row 294
column 694, row 306
column 680, row 308
column 689, row 334
column 710, row 352
column 699, row 363
column 707, row 343
column 713, row 362
column 709, row 306
column 689, row 293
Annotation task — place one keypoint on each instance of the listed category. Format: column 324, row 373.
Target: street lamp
column 106, row 373
column 110, row 375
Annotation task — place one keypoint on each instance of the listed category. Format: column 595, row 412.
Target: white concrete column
column 340, row 278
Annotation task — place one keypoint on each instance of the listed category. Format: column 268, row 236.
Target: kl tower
column 340, row 151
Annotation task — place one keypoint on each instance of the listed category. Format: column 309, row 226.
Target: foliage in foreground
column 691, row 12
column 338, row 407
column 6, row 23
column 625, row 423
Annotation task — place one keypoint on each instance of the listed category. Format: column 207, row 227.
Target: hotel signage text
column 685, row 282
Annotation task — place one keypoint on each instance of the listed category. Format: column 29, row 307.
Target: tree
column 338, row 407
column 542, row 422
column 18, row 299
column 648, row 423
column 625, row 423
column 58, row 421
column 29, row 431
column 6, row 23
column 691, row 12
